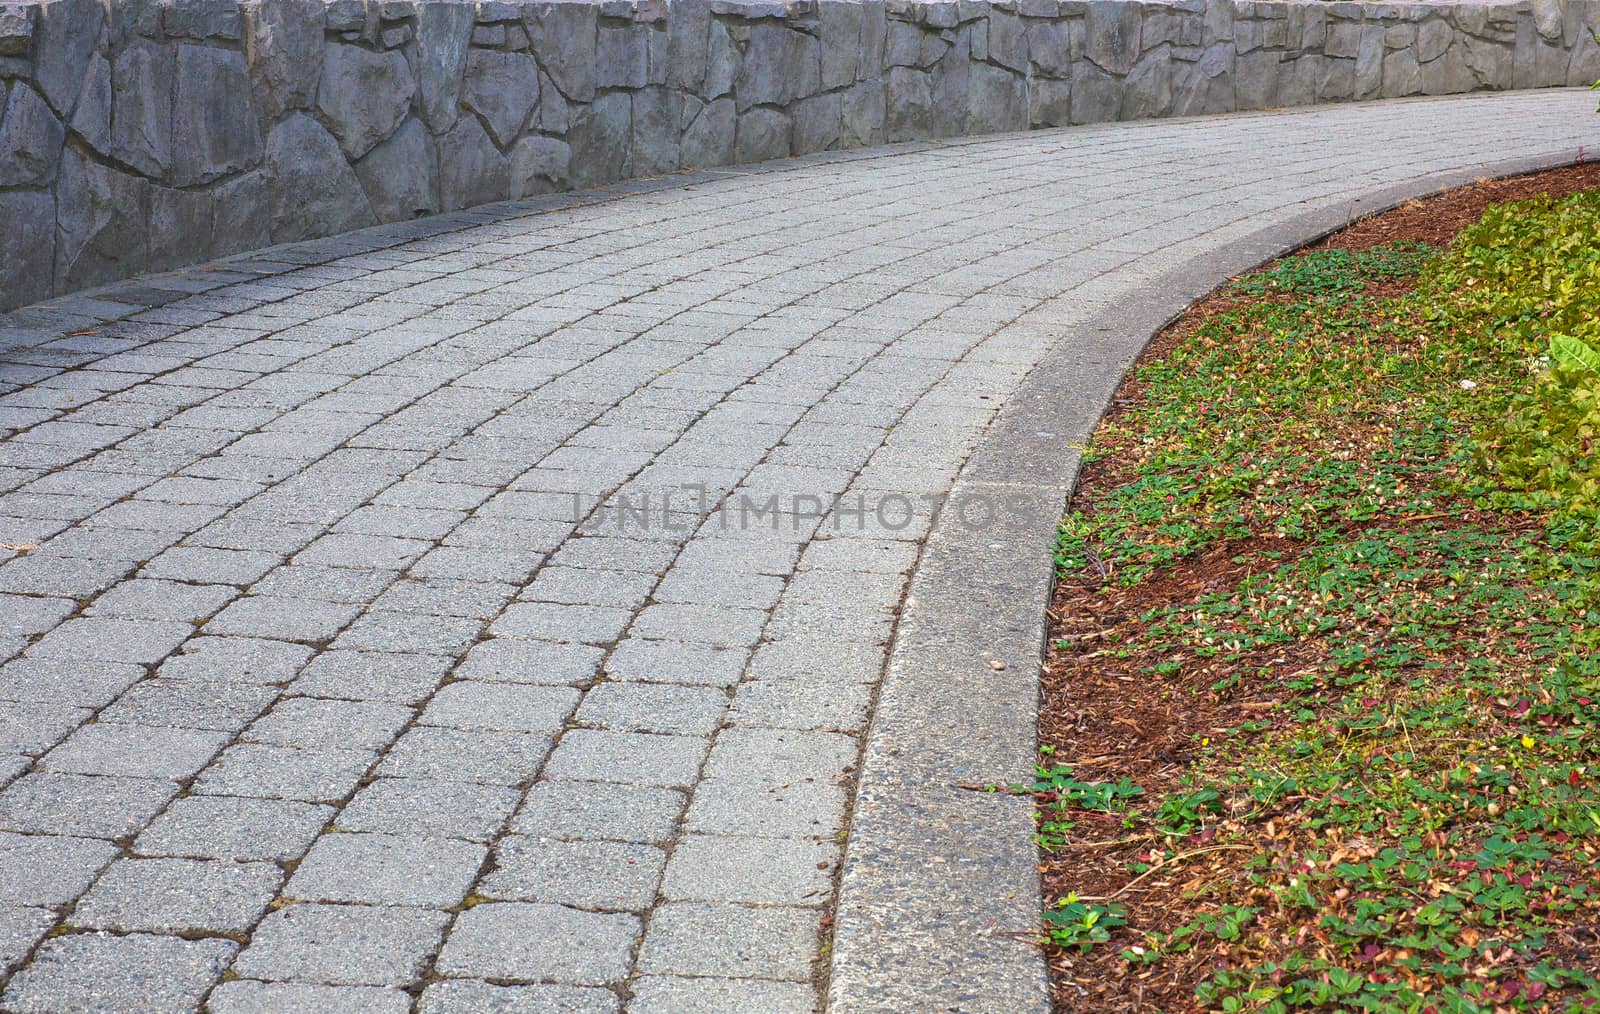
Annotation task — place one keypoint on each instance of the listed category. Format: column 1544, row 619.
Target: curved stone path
column 324, row 695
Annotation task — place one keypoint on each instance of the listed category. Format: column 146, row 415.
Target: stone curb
column 939, row 897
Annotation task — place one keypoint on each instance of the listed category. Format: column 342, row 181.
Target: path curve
column 306, row 648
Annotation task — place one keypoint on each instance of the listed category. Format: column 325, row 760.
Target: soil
column 1110, row 724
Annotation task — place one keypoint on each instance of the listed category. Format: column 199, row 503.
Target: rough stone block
column 142, row 82
column 563, row 36
column 1050, row 48
column 708, row 134
column 779, row 66
column 30, row 139
column 655, row 148
column 601, row 139
column 64, row 36
column 364, row 95
column 539, row 165
column 30, row 218
column 908, row 104
column 503, row 88
column 313, row 190
column 283, row 45
column 399, row 175
column 1401, row 74
column 1096, row 95
column 1111, row 37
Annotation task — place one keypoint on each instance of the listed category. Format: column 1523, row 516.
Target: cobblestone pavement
column 321, row 698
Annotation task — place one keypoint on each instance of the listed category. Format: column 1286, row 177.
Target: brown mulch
column 1436, row 220
column 1109, row 723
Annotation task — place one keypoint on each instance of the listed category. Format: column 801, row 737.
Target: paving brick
column 20, row 929
column 670, row 661
column 415, row 633
column 515, row 660
column 139, row 972
column 210, row 565
column 750, row 805
column 623, row 589
column 162, row 600
column 818, row 662
column 372, row 676
column 66, row 681
column 633, row 758
column 283, row 772
column 343, row 549
column 12, row 768
column 516, row 942
column 138, row 751
column 480, row 600
column 190, row 704
column 143, row 642
column 329, row 584
column 330, row 724
column 465, row 564
column 552, row 621
column 792, row 704
column 94, row 806
column 178, row 896
column 717, row 587
column 495, row 758
column 33, row 727
column 500, row 707
column 69, row 577
column 434, row 808
column 597, row 810
column 654, row 707
column 648, row 556
column 779, row 757
column 664, row 994
column 608, row 876
column 236, row 660
column 235, row 828
column 284, row 619
column 732, row 941
column 22, row 615
column 384, row 869
column 38, row 869
column 757, row 871
column 472, row 997
column 343, row 945
column 245, row 996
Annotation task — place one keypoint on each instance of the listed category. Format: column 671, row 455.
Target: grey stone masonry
column 540, row 606
column 144, row 135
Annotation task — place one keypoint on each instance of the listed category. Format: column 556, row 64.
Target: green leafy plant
column 1574, row 354
column 1079, row 924
column 1363, row 497
column 1187, row 812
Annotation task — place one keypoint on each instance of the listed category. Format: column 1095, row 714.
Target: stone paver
column 464, row 607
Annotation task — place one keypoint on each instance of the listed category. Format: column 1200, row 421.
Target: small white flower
column 1467, row 385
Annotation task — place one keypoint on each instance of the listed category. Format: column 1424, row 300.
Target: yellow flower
column 1527, row 742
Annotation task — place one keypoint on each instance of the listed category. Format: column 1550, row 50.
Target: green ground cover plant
column 1361, row 508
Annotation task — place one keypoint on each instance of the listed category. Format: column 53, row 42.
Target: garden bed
column 1320, row 700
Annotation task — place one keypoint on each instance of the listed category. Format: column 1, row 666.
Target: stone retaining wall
column 141, row 135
